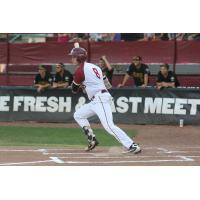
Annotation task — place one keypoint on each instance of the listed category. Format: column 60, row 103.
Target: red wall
column 117, row 52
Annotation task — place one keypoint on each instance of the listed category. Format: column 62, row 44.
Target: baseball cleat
column 134, row 148
column 92, row 144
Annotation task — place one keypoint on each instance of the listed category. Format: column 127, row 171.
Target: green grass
column 32, row 136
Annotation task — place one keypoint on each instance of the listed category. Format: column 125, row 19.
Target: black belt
column 102, row 91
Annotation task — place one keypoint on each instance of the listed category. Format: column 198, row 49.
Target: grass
column 35, row 136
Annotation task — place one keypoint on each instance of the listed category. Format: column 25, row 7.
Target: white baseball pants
column 101, row 107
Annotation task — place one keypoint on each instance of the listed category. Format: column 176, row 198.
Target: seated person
column 106, row 68
column 139, row 71
column 166, row 78
column 63, row 78
column 43, row 79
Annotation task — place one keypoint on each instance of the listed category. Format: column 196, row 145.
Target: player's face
column 58, row 68
column 136, row 61
column 74, row 61
column 163, row 70
column 41, row 71
column 101, row 63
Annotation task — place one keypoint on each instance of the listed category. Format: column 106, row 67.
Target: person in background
column 63, row 37
column 2, row 68
column 171, row 36
column 132, row 36
column 149, row 36
column 63, row 78
column 95, row 37
column 43, row 79
column 194, row 36
column 166, row 78
column 181, row 36
column 139, row 71
column 161, row 36
column 117, row 37
column 106, row 68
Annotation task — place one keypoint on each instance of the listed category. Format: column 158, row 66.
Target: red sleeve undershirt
column 79, row 76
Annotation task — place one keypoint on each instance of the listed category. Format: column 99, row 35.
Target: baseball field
column 35, row 144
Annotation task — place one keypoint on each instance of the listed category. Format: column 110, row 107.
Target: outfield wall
column 130, row 106
column 117, row 52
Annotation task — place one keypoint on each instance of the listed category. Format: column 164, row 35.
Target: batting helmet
column 79, row 53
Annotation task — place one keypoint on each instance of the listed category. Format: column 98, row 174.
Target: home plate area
column 114, row 156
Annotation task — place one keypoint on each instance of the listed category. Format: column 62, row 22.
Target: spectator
column 117, row 37
column 63, row 78
column 180, row 36
column 166, row 78
column 43, row 79
column 149, row 36
column 132, row 36
column 106, row 68
column 95, row 37
column 107, row 37
column 83, row 36
column 3, row 37
column 139, row 71
column 194, row 36
column 63, row 37
column 171, row 36
column 162, row 36
column 2, row 68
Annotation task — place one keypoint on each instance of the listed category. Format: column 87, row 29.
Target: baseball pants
column 101, row 106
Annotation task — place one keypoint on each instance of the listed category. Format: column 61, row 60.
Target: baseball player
column 166, row 78
column 63, row 78
column 106, row 68
column 43, row 79
column 90, row 77
column 139, row 71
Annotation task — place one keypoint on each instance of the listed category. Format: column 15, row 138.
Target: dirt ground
column 161, row 145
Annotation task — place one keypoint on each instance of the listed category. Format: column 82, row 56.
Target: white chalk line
column 99, row 154
column 163, row 150
column 122, row 161
column 57, row 160
column 127, row 157
column 24, row 163
column 187, row 158
column 171, row 152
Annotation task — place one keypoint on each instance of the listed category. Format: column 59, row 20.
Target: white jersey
column 91, row 77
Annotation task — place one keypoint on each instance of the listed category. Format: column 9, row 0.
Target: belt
column 102, row 91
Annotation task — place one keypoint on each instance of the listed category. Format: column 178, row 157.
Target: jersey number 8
column 96, row 72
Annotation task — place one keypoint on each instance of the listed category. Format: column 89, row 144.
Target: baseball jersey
column 91, row 77
column 40, row 80
column 170, row 78
column 138, row 73
column 66, row 77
